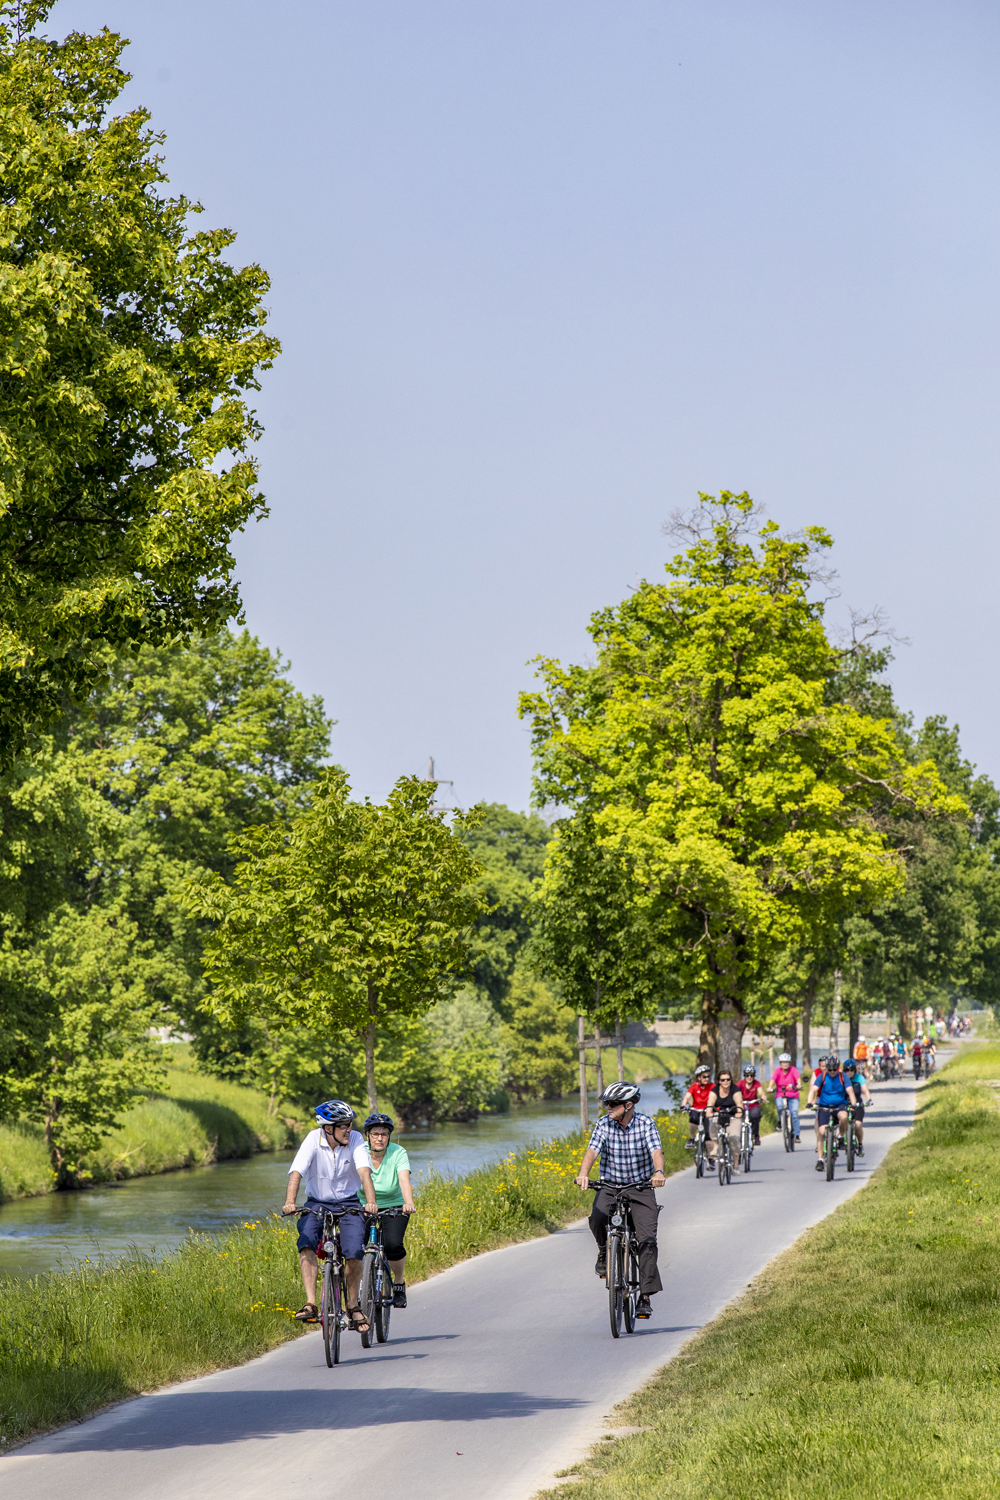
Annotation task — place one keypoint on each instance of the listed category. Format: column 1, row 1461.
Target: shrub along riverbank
column 866, row 1354
column 73, row 1342
column 190, row 1120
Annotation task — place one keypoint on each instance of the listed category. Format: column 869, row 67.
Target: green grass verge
column 190, row 1120
column 864, row 1360
column 651, row 1062
column 73, row 1342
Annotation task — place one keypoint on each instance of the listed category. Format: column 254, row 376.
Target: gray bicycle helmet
column 620, row 1093
column 749, row 1071
column 702, row 1068
column 334, row 1112
column 832, row 1062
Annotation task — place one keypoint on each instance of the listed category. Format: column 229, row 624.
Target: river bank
column 190, row 1120
column 75, row 1341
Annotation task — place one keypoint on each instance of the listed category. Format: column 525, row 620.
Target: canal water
column 154, row 1214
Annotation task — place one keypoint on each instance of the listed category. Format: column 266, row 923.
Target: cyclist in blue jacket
column 830, row 1091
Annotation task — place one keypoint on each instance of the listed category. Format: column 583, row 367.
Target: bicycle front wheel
column 616, row 1290
column 329, row 1315
column 631, row 1295
column 366, row 1297
column 747, row 1149
column 830, row 1145
column 383, row 1301
column 699, row 1156
column 851, row 1143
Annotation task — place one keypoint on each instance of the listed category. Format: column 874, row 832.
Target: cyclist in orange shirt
column 861, row 1055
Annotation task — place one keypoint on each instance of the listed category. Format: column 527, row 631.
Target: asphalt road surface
column 500, row 1372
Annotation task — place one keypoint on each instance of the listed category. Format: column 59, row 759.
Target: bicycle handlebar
column 622, row 1186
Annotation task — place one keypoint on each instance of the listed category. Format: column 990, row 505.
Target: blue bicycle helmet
column 377, row 1119
column 334, row 1112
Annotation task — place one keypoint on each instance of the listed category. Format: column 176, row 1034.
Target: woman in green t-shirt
column 391, row 1180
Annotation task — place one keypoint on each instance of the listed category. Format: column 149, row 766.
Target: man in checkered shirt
column 629, row 1147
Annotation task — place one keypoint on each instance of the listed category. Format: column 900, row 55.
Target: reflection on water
column 156, row 1213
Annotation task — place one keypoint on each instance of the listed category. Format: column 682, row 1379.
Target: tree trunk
column 370, row 1054
column 597, row 1059
column 731, row 1024
column 852, row 1036
column 581, row 1037
column 806, row 1045
column 791, row 1042
column 904, row 1021
column 619, row 1046
column 708, row 1045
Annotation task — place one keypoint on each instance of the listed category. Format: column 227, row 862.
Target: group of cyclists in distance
column 354, row 1174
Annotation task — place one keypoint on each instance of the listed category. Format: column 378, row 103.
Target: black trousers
column 643, row 1212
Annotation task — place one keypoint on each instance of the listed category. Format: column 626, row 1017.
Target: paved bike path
column 500, row 1372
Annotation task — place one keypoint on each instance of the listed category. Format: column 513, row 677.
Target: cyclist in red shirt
column 696, row 1101
column 753, row 1097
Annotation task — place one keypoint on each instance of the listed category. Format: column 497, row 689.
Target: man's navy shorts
column 352, row 1231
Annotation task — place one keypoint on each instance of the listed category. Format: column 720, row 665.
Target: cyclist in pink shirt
column 784, row 1082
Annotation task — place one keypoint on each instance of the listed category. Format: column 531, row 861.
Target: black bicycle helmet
column 334, row 1112
column 377, row 1119
column 833, row 1063
column 620, row 1093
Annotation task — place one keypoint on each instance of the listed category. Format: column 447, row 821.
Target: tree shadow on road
column 212, row 1418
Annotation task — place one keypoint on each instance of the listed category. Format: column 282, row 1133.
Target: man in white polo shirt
column 334, row 1161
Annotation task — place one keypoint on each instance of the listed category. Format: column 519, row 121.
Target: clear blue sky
column 542, row 270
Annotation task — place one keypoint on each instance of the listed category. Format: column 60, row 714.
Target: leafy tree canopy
column 702, row 744
column 128, row 346
column 511, row 847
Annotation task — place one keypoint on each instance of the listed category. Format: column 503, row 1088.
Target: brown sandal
column 308, row 1314
column 359, row 1322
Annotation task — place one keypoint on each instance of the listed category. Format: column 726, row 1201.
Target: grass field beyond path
column 865, row 1361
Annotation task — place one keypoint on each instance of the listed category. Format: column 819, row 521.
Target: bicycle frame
column 377, row 1285
column 622, row 1258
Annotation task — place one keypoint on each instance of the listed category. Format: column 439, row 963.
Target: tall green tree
column 703, row 746
column 511, row 847
column 128, row 347
column 351, row 916
column 99, row 828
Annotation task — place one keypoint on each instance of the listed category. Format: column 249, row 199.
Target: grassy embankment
column 189, row 1121
column 72, row 1342
column 864, row 1360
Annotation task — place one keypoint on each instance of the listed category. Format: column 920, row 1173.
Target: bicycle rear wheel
column 631, row 1295
column 383, row 1301
column 366, row 1297
column 616, row 1278
column 329, row 1315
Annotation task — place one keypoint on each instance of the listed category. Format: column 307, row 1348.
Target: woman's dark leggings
column 392, row 1236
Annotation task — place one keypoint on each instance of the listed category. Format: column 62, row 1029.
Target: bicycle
column 622, row 1258
column 377, row 1286
column 916, row 1069
column 746, row 1141
column 334, row 1300
column 701, row 1136
column 787, row 1128
column 724, row 1155
column 833, row 1141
